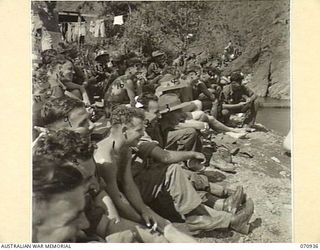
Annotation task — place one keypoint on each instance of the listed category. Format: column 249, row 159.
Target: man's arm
column 130, row 91
column 233, row 106
column 155, row 80
column 133, row 194
column 57, row 91
column 129, row 187
column 72, row 86
column 203, row 88
column 108, row 172
column 192, row 124
column 169, row 157
column 249, row 94
column 151, row 71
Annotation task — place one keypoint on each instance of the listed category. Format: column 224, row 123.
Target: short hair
column 64, row 145
column 123, row 115
column 48, row 56
column 53, row 177
column 58, row 59
column 236, row 76
column 145, row 98
column 58, row 108
column 133, row 62
column 39, row 78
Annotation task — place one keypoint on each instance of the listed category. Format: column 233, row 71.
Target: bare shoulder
column 103, row 154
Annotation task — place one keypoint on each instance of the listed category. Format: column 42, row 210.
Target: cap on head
column 101, row 53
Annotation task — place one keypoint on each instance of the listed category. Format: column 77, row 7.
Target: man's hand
column 246, row 104
column 148, row 216
column 238, row 130
column 199, row 156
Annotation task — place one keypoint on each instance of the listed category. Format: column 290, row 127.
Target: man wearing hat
column 158, row 173
column 156, row 67
column 169, row 83
column 239, row 98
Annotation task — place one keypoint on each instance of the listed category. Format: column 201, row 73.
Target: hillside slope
column 261, row 30
column 259, row 27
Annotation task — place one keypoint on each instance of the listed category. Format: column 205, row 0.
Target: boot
column 233, row 202
column 218, row 163
column 240, row 221
column 222, row 160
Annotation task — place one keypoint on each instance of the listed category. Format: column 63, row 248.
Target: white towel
column 118, row 20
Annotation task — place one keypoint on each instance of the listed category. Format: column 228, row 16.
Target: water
column 275, row 114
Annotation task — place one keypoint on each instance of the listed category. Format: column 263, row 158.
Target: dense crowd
column 122, row 144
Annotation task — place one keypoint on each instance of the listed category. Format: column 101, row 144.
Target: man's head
column 236, row 76
column 236, row 80
column 158, row 56
column 205, row 75
column 66, row 112
column 40, row 84
column 67, row 71
column 134, row 66
column 129, row 124
column 193, row 73
column 71, row 147
column 61, row 67
column 116, row 59
column 102, row 57
column 48, row 55
column 69, row 51
column 58, row 201
column 150, row 104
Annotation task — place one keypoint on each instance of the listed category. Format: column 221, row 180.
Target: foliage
column 156, row 25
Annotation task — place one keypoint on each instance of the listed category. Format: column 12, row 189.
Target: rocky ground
column 266, row 178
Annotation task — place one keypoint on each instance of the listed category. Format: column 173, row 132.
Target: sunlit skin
column 77, row 120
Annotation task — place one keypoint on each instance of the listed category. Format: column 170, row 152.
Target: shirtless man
column 114, row 155
column 123, row 90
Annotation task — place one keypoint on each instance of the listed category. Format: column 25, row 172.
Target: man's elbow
column 166, row 158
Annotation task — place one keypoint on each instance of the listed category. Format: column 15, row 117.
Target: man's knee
column 198, row 104
column 175, row 172
column 190, row 133
column 197, row 115
column 77, row 93
column 204, row 117
column 225, row 113
column 256, row 104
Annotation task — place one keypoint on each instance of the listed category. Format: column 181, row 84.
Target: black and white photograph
column 161, row 121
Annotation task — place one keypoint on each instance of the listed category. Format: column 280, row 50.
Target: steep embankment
column 261, row 29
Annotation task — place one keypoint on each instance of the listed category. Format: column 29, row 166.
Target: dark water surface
column 275, row 114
